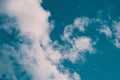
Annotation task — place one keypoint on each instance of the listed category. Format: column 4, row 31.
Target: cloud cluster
column 79, row 44
column 36, row 54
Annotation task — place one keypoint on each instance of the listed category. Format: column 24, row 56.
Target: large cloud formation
column 33, row 55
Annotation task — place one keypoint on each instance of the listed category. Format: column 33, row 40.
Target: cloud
column 80, row 44
column 6, row 68
column 81, row 23
column 106, row 30
column 83, row 44
column 116, row 26
column 41, row 67
column 35, row 54
column 68, row 32
column 30, row 17
column 117, row 43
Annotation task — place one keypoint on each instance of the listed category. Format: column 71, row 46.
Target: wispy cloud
column 81, row 23
column 106, row 30
column 116, row 26
column 79, row 44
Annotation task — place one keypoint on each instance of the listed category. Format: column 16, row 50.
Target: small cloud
column 81, row 23
column 83, row 44
column 106, row 30
column 117, row 43
column 116, row 26
column 79, row 45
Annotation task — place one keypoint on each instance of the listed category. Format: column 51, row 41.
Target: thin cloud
column 81, row 23
column 106, row 30
column 116, row 26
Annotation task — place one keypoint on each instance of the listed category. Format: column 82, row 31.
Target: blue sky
column 104, row 64
column 59, row 40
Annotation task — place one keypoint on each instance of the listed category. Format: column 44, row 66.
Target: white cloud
column 116, row 26
column 81, row 23
column 40, row 58
column 40, row 61
column 80, row 45
column 68, row 32
column 37, row 63
column 117, row 43
column 83, row 44
column 76, row 76
column 31, row 17
column 106, row 30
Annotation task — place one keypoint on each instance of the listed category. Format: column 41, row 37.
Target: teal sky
column 75, row 38
column 105, row 63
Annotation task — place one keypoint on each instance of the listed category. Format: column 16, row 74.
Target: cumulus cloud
column 106, row 30
column 32, row 19
column 36, row 54
column 41, row 67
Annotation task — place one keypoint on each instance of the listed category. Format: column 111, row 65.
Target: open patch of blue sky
column 59, row 40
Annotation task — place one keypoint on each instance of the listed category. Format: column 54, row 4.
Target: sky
column 59, row 40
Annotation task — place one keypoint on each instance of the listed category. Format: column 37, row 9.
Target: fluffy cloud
column 106, row 30
column 36, row 54
column 81, row 23
column 80, row 44
column 32, row 19
column 83, row 44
